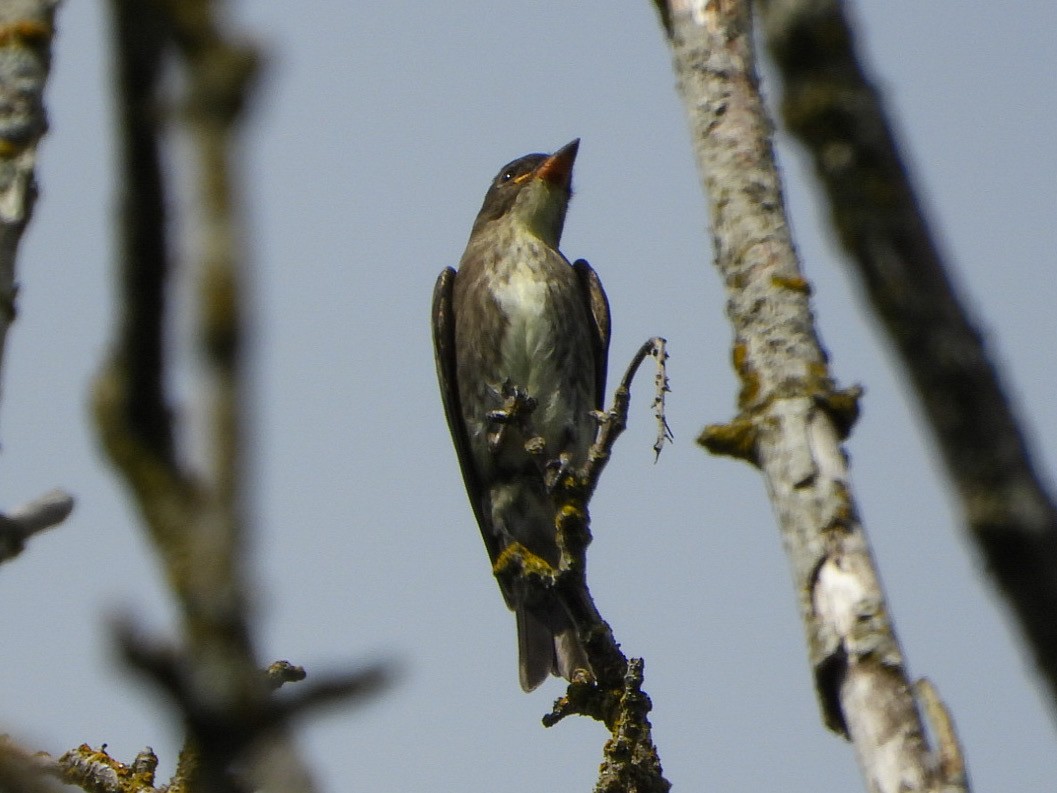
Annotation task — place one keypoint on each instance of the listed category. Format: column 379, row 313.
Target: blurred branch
column 196, row 519
column 834, row 110
column 95, row 771
column 22, row 522
column 173, row 672
column 25, row 772
column 792, row 418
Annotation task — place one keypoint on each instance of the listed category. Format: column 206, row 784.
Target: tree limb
column 195, row 518
column 792, row 418
column 26, row 29
column 838, row 114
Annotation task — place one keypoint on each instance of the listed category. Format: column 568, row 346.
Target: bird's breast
column 521, row 321
column 535, row 290
column 526, row 300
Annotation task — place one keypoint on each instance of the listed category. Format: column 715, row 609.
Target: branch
column 26, row 30
column 95, row 771
column 792, row 418
column 23, row 522
column 195, row 518
column 831, row 106
column 614, row 421
column 22, row 771
column 614, row 696
column 174, row 672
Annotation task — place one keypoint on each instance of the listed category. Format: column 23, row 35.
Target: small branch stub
column 35, row 516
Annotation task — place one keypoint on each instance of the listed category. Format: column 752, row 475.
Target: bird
column 517, row 325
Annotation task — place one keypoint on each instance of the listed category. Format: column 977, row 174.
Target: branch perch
column 615, row 695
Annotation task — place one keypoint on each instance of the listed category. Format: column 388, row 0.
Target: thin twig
column 614, row 421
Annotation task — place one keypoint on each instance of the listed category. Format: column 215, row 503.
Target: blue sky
column 376, row 131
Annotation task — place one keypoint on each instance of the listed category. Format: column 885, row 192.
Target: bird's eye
column 507, row 176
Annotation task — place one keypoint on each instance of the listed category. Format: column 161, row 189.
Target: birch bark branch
column 834, row 110
column 792, row 418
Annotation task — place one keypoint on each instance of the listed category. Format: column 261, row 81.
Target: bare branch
column 21, row 523
column 614, row 421
column 953, row 776
column 175, row 673
column 838, row 114
column 792, row 419
column 26, row 30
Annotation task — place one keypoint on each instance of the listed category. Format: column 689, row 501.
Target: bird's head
column 532, row 192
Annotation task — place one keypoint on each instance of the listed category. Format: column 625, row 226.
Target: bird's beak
column 558, row 168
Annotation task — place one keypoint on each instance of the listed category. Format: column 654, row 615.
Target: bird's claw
column 555, row 471
column 536, row 446
column 517, row 406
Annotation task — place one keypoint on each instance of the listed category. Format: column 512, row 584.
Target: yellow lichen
column 25, row 31
column 794, row 283
column 736, row 439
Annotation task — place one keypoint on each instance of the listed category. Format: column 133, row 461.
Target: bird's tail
column 547, row 644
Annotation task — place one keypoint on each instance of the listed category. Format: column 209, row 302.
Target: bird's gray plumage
column 518, row 313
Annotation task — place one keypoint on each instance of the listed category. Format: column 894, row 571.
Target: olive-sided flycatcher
column 518, row 316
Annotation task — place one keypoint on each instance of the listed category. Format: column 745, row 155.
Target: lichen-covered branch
column 837, row 113
column 26, row 29
column 792, row 418
column 95, row 771
column 613, row 695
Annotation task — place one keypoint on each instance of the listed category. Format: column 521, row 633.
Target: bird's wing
column 444, row 355
column 594, row 298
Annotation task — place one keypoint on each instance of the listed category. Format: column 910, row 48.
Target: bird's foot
column 536, row 446
column 555, row 471
column 517, row 407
